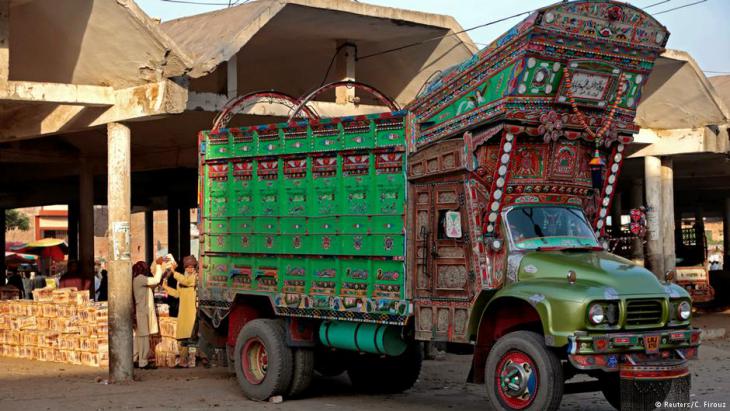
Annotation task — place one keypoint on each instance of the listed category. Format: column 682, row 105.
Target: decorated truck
column 475, row 216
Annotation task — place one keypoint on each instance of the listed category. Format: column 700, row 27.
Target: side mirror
column 453, row 224
column 669, row 276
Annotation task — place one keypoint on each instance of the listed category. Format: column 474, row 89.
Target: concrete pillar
column 699, row 230
column 184, row 231
column 86, row 219
column 73, row 231
column 345, row 70
column 232, row 77
column 4, row 42
column 637, row 200
column 120, row 264
column 616, row 215
column 173, row 229
column 653, row 190
column 149, row 236
column 726, row 235
column 668, row 236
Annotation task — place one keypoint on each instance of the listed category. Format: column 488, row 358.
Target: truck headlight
column 595, row 314
column 684, row 310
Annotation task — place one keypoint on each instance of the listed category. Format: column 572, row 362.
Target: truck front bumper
column 607, row 351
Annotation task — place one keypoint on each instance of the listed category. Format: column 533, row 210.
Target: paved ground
column 29, row 385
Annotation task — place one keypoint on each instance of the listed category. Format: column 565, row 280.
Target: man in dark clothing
column 38, row 281
column 103, row 291
column 16, row 281
column 74, row 278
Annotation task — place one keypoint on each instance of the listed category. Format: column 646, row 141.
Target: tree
column 16, row 220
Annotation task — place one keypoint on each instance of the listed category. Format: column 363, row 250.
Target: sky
column 702, row 29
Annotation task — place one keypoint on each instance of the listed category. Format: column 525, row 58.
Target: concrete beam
column 232, row 77
column 345, row 70
column 680, row 141
column 58, row 93
column 212, row 102
column 149, row 100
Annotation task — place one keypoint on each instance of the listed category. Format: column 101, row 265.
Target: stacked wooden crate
column 58, row 325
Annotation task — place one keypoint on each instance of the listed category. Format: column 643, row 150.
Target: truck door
column 442, row 246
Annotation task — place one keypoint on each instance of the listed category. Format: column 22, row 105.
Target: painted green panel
column 358, row 134
column 327, row 137
column 540, row 78
column 217, row 145
column 304, row 223
column 242, row 143
column 269, row 142
column 489, row 91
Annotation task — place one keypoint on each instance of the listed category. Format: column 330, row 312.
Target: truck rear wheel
column 303, row 371
column 523, row 374
column 386, row 375
column 263, row 361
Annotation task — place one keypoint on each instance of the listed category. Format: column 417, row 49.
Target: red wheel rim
column 517, row 380
column 254, row 361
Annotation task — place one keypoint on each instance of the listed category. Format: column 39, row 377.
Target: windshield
column 549, row 227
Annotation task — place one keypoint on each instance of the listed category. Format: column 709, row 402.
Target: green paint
column 488, row 91
column 309, row 226
column 370, row 338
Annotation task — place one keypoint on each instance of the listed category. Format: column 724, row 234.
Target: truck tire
column 263, row 361
column 537, row 374
column 611, row 388
column 303, row 371
column 373, row 374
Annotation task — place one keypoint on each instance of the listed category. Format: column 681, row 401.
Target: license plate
column 651, row 344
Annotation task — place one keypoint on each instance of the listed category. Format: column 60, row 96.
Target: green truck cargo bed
column 308, row 213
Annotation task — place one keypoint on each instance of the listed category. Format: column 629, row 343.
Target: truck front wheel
column 523, row 374
column 263, row 361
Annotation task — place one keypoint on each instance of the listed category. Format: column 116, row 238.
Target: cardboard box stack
column 58, row 325
column 166, row 350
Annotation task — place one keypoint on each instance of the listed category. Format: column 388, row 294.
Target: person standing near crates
column 144, row 304
column 186, row 292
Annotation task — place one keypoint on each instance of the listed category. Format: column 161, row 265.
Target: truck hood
column 600, row 269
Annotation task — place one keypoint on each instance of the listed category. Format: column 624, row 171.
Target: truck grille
column 643, row 312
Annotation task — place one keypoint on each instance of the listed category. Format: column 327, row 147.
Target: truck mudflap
column 608, row 351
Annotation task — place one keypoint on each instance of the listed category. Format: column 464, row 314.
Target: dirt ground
column 29, row 385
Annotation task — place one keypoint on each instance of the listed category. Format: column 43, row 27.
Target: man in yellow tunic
column 186, row 292
column 144, row 305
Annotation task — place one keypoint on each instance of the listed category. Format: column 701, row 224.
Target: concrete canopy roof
column 103, row 43
column 307, row 32
column 722, row 87
column 678, row 96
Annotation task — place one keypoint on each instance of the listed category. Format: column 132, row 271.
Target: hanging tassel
column 598, row 165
